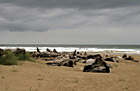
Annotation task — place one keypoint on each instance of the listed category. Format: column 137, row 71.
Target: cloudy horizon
column 69, row 21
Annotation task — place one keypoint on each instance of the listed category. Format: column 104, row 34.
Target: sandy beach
column 37, row 76
column 69, row 45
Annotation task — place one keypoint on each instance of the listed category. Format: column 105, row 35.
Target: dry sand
column 29, row 76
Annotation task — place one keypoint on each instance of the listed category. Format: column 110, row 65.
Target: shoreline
column 38, row 76
column 89, row 50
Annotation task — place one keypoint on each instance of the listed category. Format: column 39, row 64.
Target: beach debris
column 98, row 66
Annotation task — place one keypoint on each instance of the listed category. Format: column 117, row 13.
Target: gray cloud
column 93, row 4
column 66, row 18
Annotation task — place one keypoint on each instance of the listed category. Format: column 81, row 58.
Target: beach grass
column 9, row 58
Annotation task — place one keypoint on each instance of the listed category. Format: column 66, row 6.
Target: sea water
column 133, row 49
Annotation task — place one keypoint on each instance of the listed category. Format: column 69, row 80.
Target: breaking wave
column 86, row 49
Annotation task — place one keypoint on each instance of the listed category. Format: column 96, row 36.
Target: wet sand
column 37, row 76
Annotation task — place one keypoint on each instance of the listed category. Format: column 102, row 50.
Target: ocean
column 132, row 49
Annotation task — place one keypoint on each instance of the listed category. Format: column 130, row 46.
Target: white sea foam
column 71, row 49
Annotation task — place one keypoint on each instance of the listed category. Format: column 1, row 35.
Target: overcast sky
column 69, row 21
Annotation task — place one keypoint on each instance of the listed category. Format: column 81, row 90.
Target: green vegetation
column 115, row 65
column 2, row 77
column 14, row 70
column 122, row 79
column 40, row 78
column 11, row 58
column 76, row 81
column 6, row 87
column 24, row 57
column 8, row 58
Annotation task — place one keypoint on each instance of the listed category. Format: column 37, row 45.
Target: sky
column 69, row 21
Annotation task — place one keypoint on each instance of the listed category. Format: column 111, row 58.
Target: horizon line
column 67, row 44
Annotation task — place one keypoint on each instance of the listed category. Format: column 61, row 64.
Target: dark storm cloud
column 73, row 3
column 44, row 15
